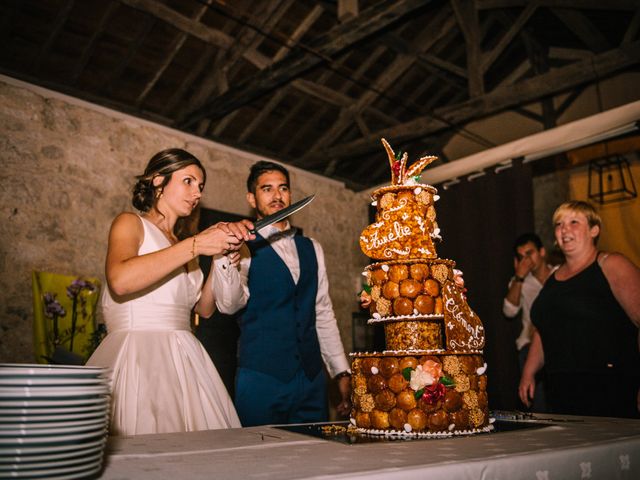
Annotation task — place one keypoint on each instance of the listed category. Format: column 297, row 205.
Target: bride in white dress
column 162, row 378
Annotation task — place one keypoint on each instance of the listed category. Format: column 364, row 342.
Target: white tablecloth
column 567, row 448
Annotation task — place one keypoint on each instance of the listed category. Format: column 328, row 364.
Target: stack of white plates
column 53, row 420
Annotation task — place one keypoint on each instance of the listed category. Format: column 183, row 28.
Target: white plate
column 17, row 370
column 52, row 392
column 11, row 461
column 48, row 382
column 81, row 475
column 23, row 434
column 63, row 417
column 54, row 440
column 31, row 451
column 59, row 473
column 7, row 406
column 62, row 426
column 81, row 460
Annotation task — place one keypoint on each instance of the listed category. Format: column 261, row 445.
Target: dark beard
column 262, row 214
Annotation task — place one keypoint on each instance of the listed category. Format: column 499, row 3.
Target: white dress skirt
column 162, row 378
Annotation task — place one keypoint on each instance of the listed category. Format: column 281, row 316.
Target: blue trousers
column 263, row 400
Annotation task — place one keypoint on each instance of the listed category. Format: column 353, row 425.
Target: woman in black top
column 586, row 317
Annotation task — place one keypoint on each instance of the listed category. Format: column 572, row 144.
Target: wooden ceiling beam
column 145, row 27
column 264, row 113
column 516, row 74
column 310, row 88
column 221, row 39
column 357, row 75
column 579, row 4
column 568, row 101
column 302, row 28
column 362, row 125
column 443, row 64
column 292, row 139
column 217, row 78
column 328, row 95
column 210, row 36
column 443, row 25
column 347, row 10
column 529, row 114
column 489, row 57
column 634, row 26
column 538, row 54
column 345, row 119
column 180, row 39
column 402, row 47
column 582, row 28
column 189, row 79
column 325, row 47
column 58, row 23
column 455, row 51
column 398, row 67
column 323, row 93
column 551, row 83
column 7, row 15
column 266, row 17
column 571, row 54
column 297, row 34
column 467, row 17
column 91, row 44
column 182, row 23
column 218, row 126
column 443, row 75
column 538, row 61
column 269, row 21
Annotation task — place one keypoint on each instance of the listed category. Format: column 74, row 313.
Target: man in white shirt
column 531, row 271
column 288, row 328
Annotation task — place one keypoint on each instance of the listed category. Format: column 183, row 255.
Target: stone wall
column 67, row 169
column 549, row 191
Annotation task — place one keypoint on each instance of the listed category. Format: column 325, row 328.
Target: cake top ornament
column 405, row 225
column 399, row 173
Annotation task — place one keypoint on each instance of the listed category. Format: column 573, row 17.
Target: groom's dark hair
column 261, row 167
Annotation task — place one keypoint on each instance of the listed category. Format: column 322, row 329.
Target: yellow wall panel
column 621, row 220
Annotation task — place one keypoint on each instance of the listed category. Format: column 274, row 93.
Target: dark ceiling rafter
column 177, row 45
column 388, row 76
column 291, row 80
column 323, row 49
column 523, row 92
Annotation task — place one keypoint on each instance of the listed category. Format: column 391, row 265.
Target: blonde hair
column 579, row 206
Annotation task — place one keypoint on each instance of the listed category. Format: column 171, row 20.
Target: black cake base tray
column 338, row 432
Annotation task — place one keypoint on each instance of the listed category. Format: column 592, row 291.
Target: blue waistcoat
column 278, row 327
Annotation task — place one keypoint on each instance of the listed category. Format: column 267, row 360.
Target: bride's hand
column 215, row 240
column 240, row 229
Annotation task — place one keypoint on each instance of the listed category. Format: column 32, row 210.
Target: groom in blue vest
column 288, row 328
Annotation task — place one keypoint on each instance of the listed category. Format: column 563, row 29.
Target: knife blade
column 281, row 214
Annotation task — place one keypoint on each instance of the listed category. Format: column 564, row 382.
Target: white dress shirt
column 530, row 289
column 232, row 291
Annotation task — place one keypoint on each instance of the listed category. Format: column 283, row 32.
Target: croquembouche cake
column 431, row 379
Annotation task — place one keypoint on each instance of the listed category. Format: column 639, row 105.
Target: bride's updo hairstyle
column 162, row 164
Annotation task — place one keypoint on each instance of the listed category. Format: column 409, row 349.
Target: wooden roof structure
column 316, row 84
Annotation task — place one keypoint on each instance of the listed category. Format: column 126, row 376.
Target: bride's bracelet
column 193, row 247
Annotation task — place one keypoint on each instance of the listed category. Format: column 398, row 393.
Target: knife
column 281, row 214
